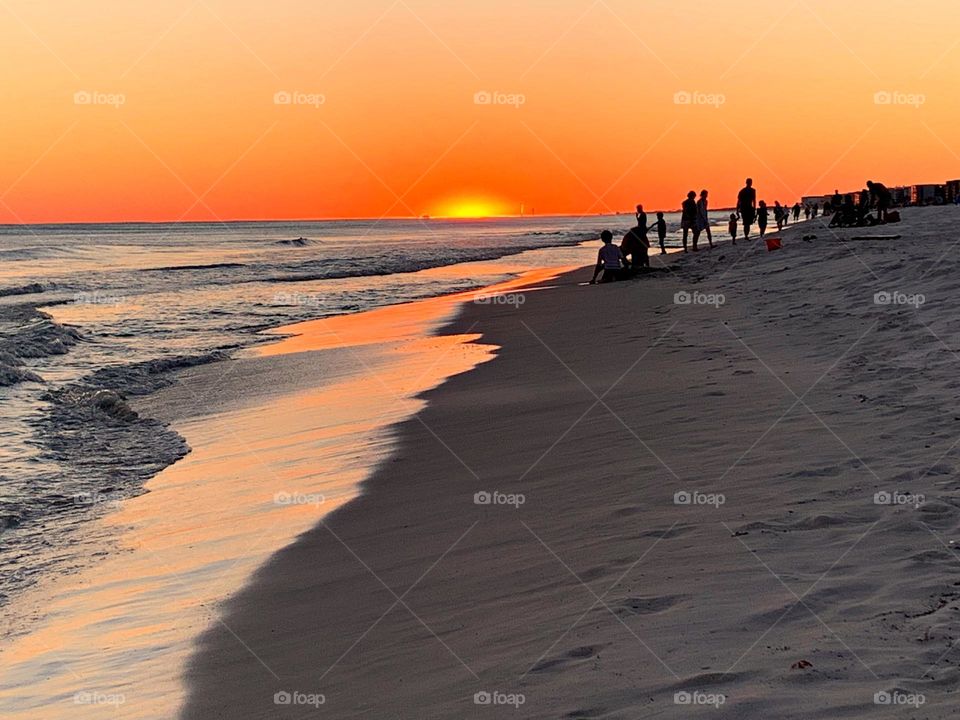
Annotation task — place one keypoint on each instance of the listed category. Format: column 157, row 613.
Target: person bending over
column 882, row 197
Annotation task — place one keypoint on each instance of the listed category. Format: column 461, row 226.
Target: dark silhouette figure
column 846, row 214
column 816, row 210
column 636, row 243
column 610, row 261
column 881, row 197
column 747, row 207
column 863, row 206
column 796, row 212
column 763, row 216
column 688, row 220
column 733, row 228
column 662, row 233
column 703, row 217
column 778, row 213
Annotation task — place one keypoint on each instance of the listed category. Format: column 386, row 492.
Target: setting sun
column 473, row 207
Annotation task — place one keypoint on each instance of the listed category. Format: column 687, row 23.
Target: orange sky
column 180, row 121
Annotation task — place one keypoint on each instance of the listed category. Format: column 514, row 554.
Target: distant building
column 900, row 195
column 927, row 194
column 952, row 189
column 820, row 200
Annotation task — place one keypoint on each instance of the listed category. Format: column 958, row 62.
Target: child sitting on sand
column 610, row 261
column 733, row 227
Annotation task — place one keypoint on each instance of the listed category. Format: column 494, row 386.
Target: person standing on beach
column 662, row 233
column 610, row 261
column 796, row 212
column 747, row 207
column 733, row 228
column 688, row 219
column 763, row 215
column 816, row 210
column 703, row 217
column 778, row 214
column 837, row 201
column 863, row 207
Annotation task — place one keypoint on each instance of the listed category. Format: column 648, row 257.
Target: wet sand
column 281, row 436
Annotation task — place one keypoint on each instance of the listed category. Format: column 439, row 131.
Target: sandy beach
column 417, row 360
column 728, row 487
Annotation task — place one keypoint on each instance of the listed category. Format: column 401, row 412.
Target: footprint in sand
column 583, row 652
column 648, row 605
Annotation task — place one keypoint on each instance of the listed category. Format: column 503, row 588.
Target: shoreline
column 272, row 422
column 412, row 598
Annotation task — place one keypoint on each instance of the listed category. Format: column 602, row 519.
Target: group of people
column 847, row 213
column 632, row 255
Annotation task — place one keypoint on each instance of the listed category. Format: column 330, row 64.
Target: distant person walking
column 816, row 210
column 747, row 207
column 688, row 220
column 733, row 228
column 703, row 216
column 763, row 216
column 796, row 212
column 662, row 233
column 778, row 214
column 610, row 261
column 837, row 202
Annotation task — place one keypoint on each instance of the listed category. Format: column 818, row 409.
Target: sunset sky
column 234, row 109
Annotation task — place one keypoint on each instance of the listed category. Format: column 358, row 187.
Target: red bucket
column 773, row 244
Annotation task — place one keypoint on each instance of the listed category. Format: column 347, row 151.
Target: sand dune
column 746, row 504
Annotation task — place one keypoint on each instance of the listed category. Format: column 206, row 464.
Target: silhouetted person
column 816, row 210
column 703, row 217
column 763, row 216
column 610, row 260
column 863, row 207
column 636, row 244
column 733, row 228
column 837, row 202
column 806, row 211
column 881, row 197
column 662, row 233
column 846, row 214
column 688, row 219
column 747, row 207
column 796, row 212
column 778, row 214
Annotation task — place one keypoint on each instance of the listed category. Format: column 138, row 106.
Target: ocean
column 92, row 316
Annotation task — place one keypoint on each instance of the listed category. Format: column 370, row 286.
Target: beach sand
column 746, row 504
